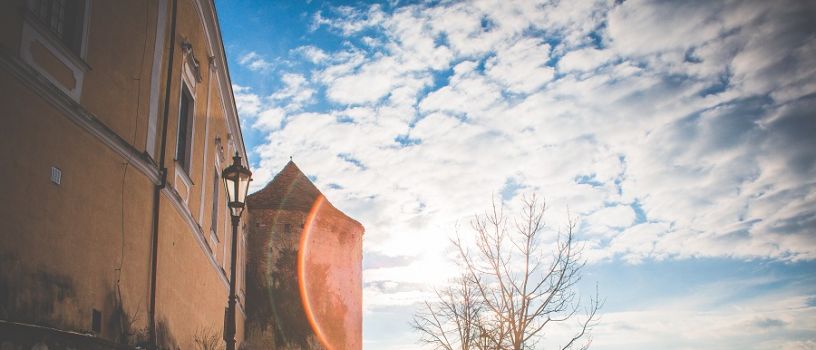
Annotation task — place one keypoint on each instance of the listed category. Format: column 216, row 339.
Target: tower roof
column 289, row 190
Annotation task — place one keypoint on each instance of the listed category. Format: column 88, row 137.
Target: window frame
column 215, row 207
column 185, row 163
column 36, row 31
column 69, row 28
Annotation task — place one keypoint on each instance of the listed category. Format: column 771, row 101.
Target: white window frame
column 182, row 177
column 217, row 186
column 34, row 31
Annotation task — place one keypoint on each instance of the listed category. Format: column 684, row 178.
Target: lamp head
column 236, row 181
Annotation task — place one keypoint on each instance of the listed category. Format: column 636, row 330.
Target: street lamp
column 236, row 181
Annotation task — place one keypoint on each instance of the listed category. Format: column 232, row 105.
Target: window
column 185, row 129
column 215, row 204
column 96, row 321
column 287, row 228
column 63, row 18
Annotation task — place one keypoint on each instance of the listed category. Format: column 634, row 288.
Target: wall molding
column 173, row 196
column 77, row 114
column 34, row 33
column 214, row 43
column 155, row 77
column 72, row 110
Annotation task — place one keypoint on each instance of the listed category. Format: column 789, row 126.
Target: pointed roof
column 289, row 190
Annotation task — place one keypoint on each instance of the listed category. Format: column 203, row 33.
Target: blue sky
column 681, row 134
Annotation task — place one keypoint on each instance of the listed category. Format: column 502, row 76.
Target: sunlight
column 314, row 319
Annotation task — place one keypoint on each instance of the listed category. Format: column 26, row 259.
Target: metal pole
column 229, row 332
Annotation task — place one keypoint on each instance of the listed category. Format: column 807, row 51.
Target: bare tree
column 521, row 286
column 452, row 322
column 208, row 338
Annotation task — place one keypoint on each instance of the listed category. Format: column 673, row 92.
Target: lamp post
column 236, row 181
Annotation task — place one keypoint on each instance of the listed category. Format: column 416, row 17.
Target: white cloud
column 467, row 93
column 248, row 103
column 613, row 216
column 312, row 53
column 295, row 92
column 585, row 59
column 254, row 62
column 703, row 166
column 700, row 113
column 349, row 20
column 772, row 320
column 645, row 27
column 522, row 67
column 369, row 84
column 270, row 119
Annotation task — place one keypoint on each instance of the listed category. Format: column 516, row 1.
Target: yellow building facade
column 117, row 118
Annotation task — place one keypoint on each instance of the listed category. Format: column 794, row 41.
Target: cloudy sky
column 683, row 134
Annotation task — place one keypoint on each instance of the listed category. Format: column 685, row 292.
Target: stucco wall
column 66, row 245
column 86, row 243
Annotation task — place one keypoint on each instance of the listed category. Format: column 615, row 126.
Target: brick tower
column 304, row 269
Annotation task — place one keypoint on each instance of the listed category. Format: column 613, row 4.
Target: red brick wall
column 331, row 264
column 304, row 284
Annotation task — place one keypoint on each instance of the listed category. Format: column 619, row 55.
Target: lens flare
column 303, row 253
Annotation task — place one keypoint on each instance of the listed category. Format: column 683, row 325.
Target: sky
column 680, row 133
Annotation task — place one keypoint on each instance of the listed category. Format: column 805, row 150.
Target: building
column 117, row 119
column 304, row 269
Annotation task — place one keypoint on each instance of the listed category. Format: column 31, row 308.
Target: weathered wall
column 304, row 269
column 120, row 52
column 331, row 260
column 17, row 336
column 273, row 296
column 65, row 246
column 85, row 244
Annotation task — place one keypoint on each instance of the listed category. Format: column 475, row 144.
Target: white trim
column 83, row 46
column 155, row 78
column 206, row 143
column 72, row 110
column 34, row 32
column 185, row 180
column 227, row 237
column 231, row 118
column 191, row 141
column 213, row 41
column 214, row 230
column 201, row 18
column 227, row 223
column 86, row 24
column 190, row 76
column 175, row 199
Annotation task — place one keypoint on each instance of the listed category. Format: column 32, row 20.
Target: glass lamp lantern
column 236, row 181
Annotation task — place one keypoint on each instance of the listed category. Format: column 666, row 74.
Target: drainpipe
column 154, row 254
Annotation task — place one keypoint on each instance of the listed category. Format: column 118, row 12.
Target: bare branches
column 509, row 293
column 208, row 338
column 452, row 322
